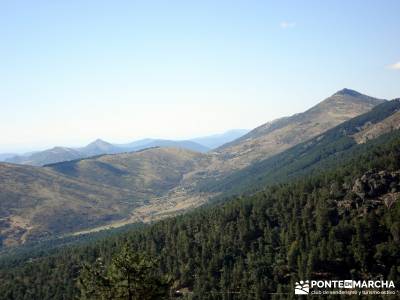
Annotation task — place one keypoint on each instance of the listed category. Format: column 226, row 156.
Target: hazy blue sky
column 73, row 71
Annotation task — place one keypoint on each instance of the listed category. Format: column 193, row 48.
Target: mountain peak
column 281, row 134
column 345, row 102
column 98, row 147
column 351, row 96
column 99, row 142
column 348, row 92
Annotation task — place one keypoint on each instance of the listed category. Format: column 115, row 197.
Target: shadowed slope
column 36, row 202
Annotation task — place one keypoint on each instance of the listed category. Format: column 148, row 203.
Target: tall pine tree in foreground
column 130, row 276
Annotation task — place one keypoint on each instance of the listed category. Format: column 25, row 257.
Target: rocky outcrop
column 371, row 190
column 374, row 184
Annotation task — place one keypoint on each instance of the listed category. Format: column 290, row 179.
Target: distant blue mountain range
column 217, row 140
column 99, row 147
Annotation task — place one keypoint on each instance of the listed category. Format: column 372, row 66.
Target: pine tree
column 130, row 276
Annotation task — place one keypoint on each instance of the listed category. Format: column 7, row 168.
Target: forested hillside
column 342, row 223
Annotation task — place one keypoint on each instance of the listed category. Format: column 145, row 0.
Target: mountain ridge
column 340, row 97
column 209, row 171
column 328, row 148
column 277, row 136
column 160, row 182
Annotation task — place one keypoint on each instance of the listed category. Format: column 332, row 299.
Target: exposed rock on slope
column 373, row 189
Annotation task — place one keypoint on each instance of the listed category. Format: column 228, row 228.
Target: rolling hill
column 43, row 202
column 150, row 171
column 97, row 147
column 39, row 203
column 58, row 154
column 150, row 143
column 41, row 158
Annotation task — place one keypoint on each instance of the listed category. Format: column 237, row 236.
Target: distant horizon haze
column 33, row 148
column 74, row 71
column 159, row 133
